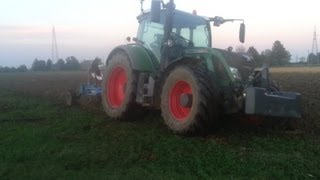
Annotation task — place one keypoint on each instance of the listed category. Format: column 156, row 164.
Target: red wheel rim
column 116, row 86
column 177, row 110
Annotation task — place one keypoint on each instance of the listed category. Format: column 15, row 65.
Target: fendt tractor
column 172, row 66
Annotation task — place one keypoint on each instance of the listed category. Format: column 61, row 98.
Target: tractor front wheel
column 189, row 100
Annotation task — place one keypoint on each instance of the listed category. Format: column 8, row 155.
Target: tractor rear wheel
column 119, row 87
column 189, row 101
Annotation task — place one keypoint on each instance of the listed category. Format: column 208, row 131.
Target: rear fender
column 140, row 58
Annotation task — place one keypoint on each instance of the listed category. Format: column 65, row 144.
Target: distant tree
column 13, row 69
column 279, row 55
column 60, row 65
column 313, row 59
column 241, row 49
column 72, row 63
column 22, row 68
column 266, row 57
column 6, row 69
column 42, row 65
column 38, row 65
column 35, row 65
column 49, row 65
column 255, row 55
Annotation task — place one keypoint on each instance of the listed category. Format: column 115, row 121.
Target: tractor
column 171, row 66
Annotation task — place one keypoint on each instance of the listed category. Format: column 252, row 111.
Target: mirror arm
column 219, row 20
column 232, row 20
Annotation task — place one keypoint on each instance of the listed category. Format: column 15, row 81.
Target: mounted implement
column 172, row 66
column 91, row 89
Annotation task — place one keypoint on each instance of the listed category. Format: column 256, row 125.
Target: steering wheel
column 180, row 40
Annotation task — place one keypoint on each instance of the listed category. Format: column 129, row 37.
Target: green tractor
column 172, row 66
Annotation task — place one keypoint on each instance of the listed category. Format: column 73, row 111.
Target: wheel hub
column 186, row 100
column 180, row 100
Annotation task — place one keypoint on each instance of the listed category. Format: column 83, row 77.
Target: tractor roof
column 181, row 19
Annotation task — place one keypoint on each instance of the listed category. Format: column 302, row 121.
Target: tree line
column 21, row 68
column 313, row 58
column 276, row 56
column 71, row 63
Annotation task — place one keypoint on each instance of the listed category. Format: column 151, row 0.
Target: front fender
column 141, row 59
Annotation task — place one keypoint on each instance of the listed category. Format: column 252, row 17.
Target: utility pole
column 314, row 49
column 55, row 54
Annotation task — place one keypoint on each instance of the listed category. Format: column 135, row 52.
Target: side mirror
column 242, row 32
column 155, row 11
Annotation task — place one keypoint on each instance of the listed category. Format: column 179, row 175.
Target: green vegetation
column 40, row 139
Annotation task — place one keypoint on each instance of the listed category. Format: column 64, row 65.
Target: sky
column 87, row 29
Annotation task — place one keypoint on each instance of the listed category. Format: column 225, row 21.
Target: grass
column 40, row 139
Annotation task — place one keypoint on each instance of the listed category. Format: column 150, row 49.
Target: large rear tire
column 189, row 100
column 119, row 87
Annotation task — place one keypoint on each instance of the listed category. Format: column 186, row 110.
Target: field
column 307, row 82
column 41, row 138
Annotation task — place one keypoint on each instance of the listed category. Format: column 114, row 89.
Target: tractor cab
column 188, row 31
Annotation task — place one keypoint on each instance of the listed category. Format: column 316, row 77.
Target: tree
column 266, row 57
column 42, row 65
column 49, row 65
column 38, row 65
column 6, row 69
column 255, row 55
column 22, row 68
column 72, row 63
column 60, row 65
column 34, row 66
column 312, row 59
column 279, row 55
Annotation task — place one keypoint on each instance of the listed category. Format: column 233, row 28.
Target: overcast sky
column 87, row 29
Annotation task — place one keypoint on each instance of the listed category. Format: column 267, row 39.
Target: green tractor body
column 172, row 66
